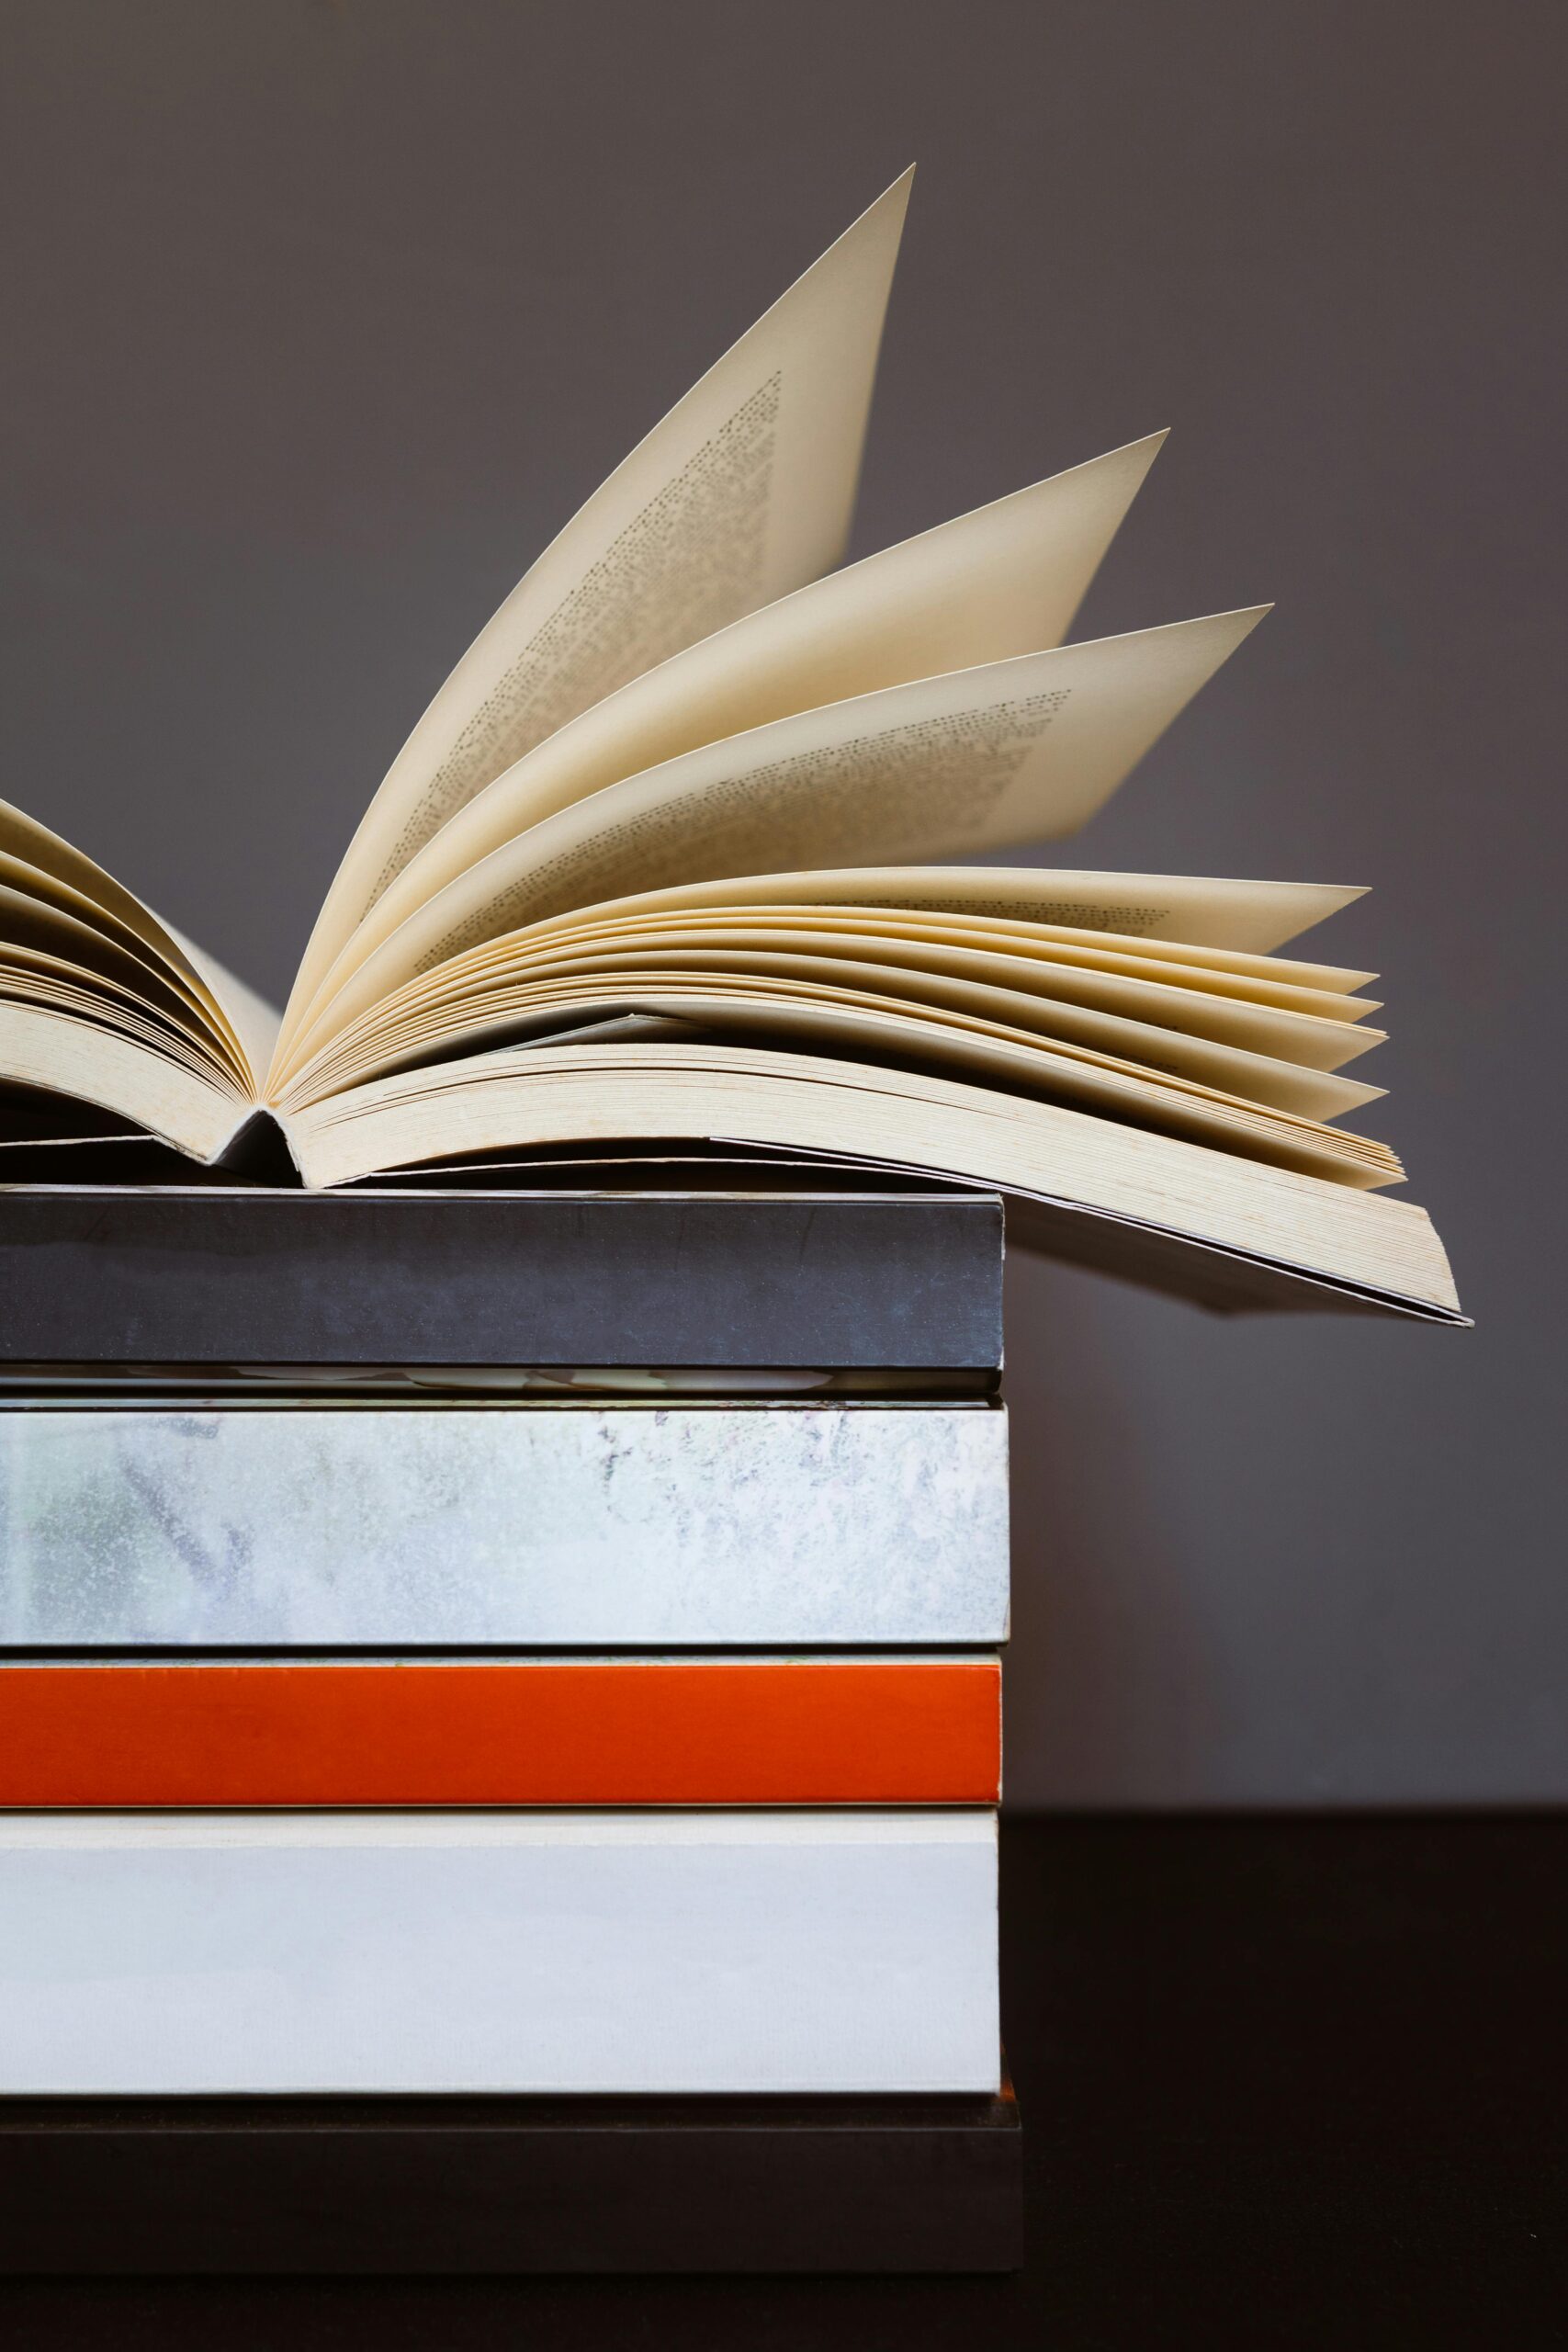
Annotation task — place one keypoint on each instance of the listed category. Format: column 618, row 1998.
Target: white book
column 523, row 1526
column 498, row 1952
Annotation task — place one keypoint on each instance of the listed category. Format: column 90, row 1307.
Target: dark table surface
column 1286, row 2081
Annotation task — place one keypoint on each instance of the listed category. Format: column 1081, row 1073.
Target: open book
column 653, row 868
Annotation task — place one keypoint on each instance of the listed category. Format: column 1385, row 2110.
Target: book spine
column 191, row 1953
column 529, row 1526
column 156, row 1276
column 600, row 1732
column 390, row 2186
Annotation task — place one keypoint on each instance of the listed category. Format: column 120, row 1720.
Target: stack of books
column 527, row 1643
column 468, row 1662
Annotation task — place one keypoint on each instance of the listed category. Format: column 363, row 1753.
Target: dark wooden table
column 1287, row 2082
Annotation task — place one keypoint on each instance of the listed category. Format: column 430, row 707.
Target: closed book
column 114, row 1276
column 605, row 1731
column 395, row 2186
column 488, row 1951
column 517, row 1526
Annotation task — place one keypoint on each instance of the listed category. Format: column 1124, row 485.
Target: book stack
column 503, row 1725
column 478, row 1639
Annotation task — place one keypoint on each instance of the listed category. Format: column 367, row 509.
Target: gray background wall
column 320, row 318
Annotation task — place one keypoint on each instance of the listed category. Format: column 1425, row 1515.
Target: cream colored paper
column 1231, row 925
column 733, row 992
column 1007, row 752
column 243, row 1024
column 45, row 980
column 1035, row 1150
column 1004, row 581
column 1250, row 979
column 743, row 492
column 832, row 1022
column 254, row 1023
column 1300, row 1032
column 1032, row 1151
column 35, row 928
column 184, row 1107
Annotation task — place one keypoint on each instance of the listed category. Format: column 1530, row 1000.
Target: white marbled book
column 517, row 1526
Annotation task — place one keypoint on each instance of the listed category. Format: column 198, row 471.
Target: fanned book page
column 653, row 873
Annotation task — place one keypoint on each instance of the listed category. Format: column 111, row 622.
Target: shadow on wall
column 1289, row 1560
column 1107, row 1682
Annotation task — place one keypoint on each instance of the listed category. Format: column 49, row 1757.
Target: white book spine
column 531, row 1526
column 497, row 1953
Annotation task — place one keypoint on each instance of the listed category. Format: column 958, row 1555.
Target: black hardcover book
column 96, row 2187
column 114, row 1282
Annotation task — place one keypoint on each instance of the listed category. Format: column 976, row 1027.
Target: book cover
column 604, row 1731
column 455, row 1526
column 177, row 1953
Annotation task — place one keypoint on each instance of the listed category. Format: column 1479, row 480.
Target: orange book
column 617, row 1730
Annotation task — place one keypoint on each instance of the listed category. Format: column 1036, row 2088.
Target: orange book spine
column 513, row 1732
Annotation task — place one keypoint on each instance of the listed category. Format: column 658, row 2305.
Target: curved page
column 1251, row 980
column 741, row 494
column 64, row 1054
column 1301, row 1031
column 1003, row 580
column 1230, row 924
column 1007, row 1143
column 245, row 1027
column 768, row 1001
column 1008, row 752
column 790, row 1016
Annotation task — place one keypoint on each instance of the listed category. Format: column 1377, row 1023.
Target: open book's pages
column 654, row 867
